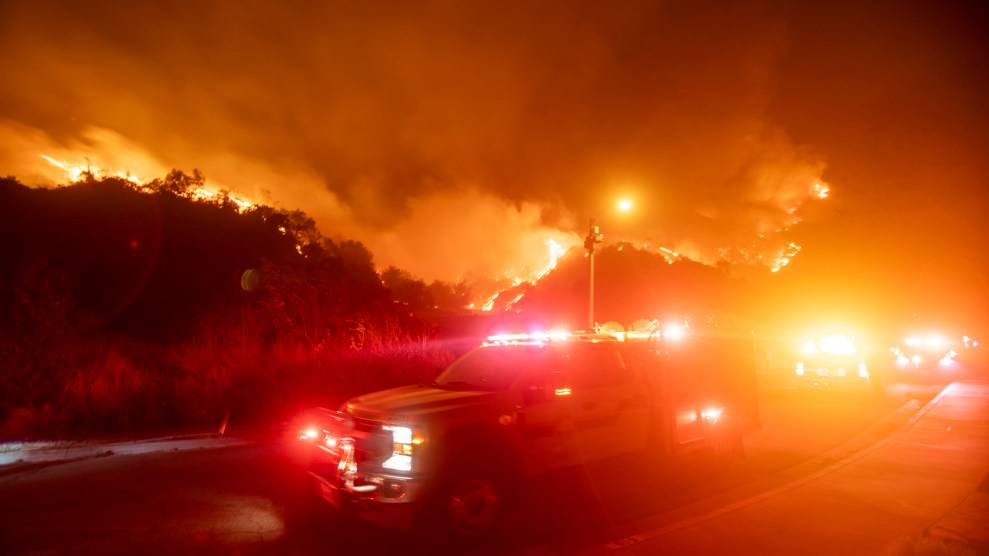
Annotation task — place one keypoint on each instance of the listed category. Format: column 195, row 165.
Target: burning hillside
column 535, row 247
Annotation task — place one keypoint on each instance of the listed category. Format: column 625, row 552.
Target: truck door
column 685, row 396
column 609, row 404
column 544, row 421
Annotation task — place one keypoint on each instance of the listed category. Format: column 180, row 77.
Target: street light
column 594, row 236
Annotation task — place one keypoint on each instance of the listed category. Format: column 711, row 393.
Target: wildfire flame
column 207, row 194
column 785, row 256
column 76, row 173
column 556, row 250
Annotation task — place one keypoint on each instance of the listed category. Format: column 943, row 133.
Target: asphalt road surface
column 251, row 498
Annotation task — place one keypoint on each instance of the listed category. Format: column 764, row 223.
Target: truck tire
column 470, row 502
column 473, row 507
column 724, row 443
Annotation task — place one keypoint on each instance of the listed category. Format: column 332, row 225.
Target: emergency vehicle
column 833, row 359
column 448, row 452
column 931, row 354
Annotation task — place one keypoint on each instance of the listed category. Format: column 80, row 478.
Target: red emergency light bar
column 530, row 338
column 672, row 331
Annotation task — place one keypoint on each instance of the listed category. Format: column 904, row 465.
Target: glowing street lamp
column 594, row 236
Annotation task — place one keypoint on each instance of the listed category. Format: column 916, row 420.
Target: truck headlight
column 948, row 359
column 404, row 441
column 712, row 414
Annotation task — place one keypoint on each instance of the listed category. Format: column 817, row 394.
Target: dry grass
column 123, row 388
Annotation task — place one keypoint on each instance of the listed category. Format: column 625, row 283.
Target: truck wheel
column 470, row 505
column 725, row 442
column 473, row 507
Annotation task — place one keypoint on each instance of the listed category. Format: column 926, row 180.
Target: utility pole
column 594, row 236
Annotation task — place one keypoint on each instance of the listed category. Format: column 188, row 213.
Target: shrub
column 112, row 396
column 43, row 338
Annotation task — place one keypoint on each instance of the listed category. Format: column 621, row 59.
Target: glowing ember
column 821, row 190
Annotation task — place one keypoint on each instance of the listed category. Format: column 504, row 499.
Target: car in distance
column 833, row 360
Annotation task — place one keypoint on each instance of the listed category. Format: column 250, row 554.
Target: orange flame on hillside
column 556, row 250
column 785, row 257
column 516, row 277
column 76, row 173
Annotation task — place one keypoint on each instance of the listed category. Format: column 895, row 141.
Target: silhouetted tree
column 407, row 290
column 178, row 183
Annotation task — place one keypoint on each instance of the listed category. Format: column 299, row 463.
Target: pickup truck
column 516, row 406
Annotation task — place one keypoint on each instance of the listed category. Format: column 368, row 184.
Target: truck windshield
column 488, row 369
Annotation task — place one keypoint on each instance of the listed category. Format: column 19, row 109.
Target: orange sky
column 456, row 138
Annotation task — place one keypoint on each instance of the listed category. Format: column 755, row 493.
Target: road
column 250, row 498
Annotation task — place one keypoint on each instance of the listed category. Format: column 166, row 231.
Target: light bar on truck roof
column 674, row 331
column 528, row 338
column 832, row 344
column 926, row 341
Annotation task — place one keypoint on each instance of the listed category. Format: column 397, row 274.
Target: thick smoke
column 449, row 137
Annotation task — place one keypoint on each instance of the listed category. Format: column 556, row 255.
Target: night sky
column 457, row 138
